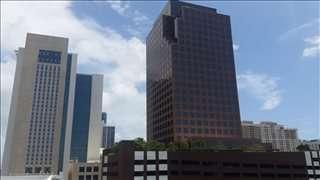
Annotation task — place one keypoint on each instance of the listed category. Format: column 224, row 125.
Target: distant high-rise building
column 104, row 118
column 191, row 80
column 251, row 130
column 40, row 120
column 110, row 131
column 281, row 138
column 104, row 130
column 87, row 125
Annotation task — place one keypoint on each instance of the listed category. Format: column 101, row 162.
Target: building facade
column 87, row 125
column 281, row 138
column 84, row 170
column 128, row 164
column 313, row 145
column 40, row 119
column 191, row 82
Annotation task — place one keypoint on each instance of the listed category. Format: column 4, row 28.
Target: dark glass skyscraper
column 81, row 118
column 87, row 125
column 191, row 81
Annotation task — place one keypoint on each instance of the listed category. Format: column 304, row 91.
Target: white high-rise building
column 40, row 119
column 281, row 138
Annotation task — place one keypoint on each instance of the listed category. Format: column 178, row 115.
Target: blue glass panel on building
column 48, row 56
column 81, row 118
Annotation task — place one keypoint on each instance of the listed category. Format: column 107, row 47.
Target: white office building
column 40, row 119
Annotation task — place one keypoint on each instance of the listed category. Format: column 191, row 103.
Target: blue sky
column 267, row 48
column 276, row 45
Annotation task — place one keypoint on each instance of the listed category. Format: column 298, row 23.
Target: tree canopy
column 152, row 145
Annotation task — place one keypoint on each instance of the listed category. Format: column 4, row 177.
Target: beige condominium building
column 84, row 170
column 40, row 120
column 281, row 138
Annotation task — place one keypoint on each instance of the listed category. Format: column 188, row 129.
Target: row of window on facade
column 83, row 169
column 206, row 123
column 161, row 177
column 38, row 170
column 47, row 56
column 88, row 177
column 205, row 131
column 150, row 155
column 150, row 167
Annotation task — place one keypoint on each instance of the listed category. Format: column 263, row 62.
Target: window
column 28, row 170
column 95, row 169
column 163, row 155
column 163, row 167
column 138, row 155
column 163, row 177
column 151, row 177
column 138, row 168
column 151, row 167
column 95, row 177
column 81, row 177
column 88, row 177
column 47, row 170
column 89, row 169
column 37, row 170
column 138, row 178
column 151, row 155
column 81, row 169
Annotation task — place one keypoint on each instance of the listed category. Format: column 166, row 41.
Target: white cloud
column 313, row 49
column 263, row 87
column 140, row 22
column 308, row 25
column 121, row 7
column 97, row 47
column 235, row 47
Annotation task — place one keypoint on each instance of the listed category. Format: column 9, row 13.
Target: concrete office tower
column 87, row 125
column 191, row 81
column 281, row 138
column 40, row 119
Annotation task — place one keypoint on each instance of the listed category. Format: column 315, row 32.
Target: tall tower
column 87, row 125
column 191, row 80
column 40, row 119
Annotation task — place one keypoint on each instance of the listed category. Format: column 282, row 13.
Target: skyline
column 263, row 90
